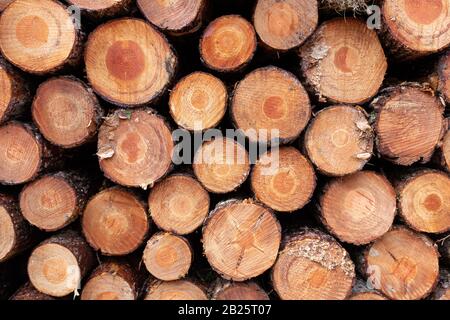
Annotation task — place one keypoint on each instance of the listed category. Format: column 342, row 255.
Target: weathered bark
column 29, row 293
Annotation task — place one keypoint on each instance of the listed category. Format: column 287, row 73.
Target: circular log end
column 7, row 233
column 236, row 291
column 175, row 290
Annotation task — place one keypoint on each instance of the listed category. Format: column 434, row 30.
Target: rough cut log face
column 37, row 36
column 175, row 290
column 283, row 25
column 241, row 240
column 238, row 291
column 269, row 99
column 343, row 62
column 369, row 296
column 283, row 180
column 128, row 62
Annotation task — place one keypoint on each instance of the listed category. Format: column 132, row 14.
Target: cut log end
column 175, row 290
column 241, row 240
column 14, row 93
column 168, row 257
column 7, row 233
column 236, row 291
column 367, row 296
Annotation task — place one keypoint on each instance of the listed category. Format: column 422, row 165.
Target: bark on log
column 362, row 291
column 443, row 74
column 4, row 4
column 444, row 152
column 185, row 289
column 442, row 291
column 100, row 9
column 237, row 291
column 29, row 293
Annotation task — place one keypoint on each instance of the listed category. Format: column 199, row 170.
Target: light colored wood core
column 228, row 43
column 284, row 180
column 49, row 203
column 340, row 140
column 37, row 36
column 65, row 112
column 285, row 24
column 175, row 290
column 403, row 265
column 241, row 240
column 236, row 291
column 369, row 296
column 359, row 208
column 95, row 5
column 313, row 266
column 54, row 270
column 424, row 201
column 7, row 233
column 20, row 154
column 128, row 62
column 6, row 91
column 269, row 99
column 198, row 101
column 221, row 165
column 135, row 148
column 168, row 257
column 115, row 222
column 107, row 287
column 179, row 204
column 344, row 62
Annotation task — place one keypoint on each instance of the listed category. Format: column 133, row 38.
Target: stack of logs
column 95, row 95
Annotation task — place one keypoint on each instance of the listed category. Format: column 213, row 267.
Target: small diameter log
column 179, row 204
column 66, row 112
column 343, row 62
column 409, row 123
column 415, row 28
column 286, row 24
column 128, row 62
column 403, row 265
column 198, row 102
column 444, row 152
column 99, row 9
column 174, row 290
column 313, row 266
column 269, row 99
column 367, row 296
column 283, row 180
column 241, row 239
column 340, row 140
column 39, row 36
column 29, row 293
column 135, row 147
column 112, row 281
column 115, row 222
column 442, row 291
column 358, row 208
column 444, row 76
column 177, row 17
column 16, row 234
column 238, row 291
column 168, row 257
column 221, row 165
column 54, row 201
column 228, row 44
column 424, row 201
column 362, row 290
column 57, row 266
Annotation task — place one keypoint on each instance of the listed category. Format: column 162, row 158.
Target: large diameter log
column 39, row 36
column 29, row 293
column 128, row 62
column 237, row 291
column 313, row 266
column 269, row 99
column 135, row 147
column 343, row 62
column 99, row 9
column 174, row 290
column 115, row 222
column 409, row 123
column 402, row 264
column 66, row 112
column 286, row 24
column 55, row 200
column 444, row 76
column 283, row 180
column 57, row 266
column 339, row 140
column 358, row 208
column 241, row 239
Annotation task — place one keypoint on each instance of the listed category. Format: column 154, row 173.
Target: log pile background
column 92, row 206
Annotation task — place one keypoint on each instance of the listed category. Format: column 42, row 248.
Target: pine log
column 228, row 44
column 179, row 204
column 115, row 222
column 66, row 112
column 238, row 291
column 55, row 200
column 135, row 147
column 409, row 123
column 174, row 290
column 269, row 99
column 444, row 76
column 358, row 208
column 241, row 239
column 221, row 165
column 39, row 36
column 285, row 24
column 313, row 266
column 442, row 291
column 362, row 290
column 283, row 180
column 29, row 293
column 100, row 9
column 367, row 296
column 168, row 257
column 118, row 55
column 444, row 152
column 198, row 101
column 57, row 266
column 343, row 62
column 444, row 250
